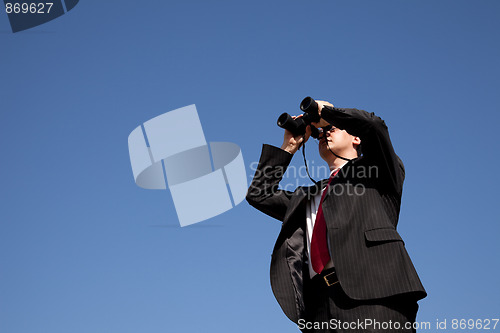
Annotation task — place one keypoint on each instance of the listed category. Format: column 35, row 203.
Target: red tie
column 319, row 246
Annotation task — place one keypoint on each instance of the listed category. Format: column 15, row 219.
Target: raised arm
column 375, row 142
column 264, row 193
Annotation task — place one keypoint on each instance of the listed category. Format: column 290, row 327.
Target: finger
column 308, row 133
column 324, row 103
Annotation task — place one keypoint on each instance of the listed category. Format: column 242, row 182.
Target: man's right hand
column 292, row 143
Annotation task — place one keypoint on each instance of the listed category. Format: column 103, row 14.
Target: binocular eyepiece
column 298, row 125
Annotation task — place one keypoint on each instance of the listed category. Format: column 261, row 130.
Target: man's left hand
column 322, row 122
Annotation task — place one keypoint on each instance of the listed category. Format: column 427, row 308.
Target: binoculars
column 298, row 125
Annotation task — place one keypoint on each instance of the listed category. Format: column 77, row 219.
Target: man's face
column 339, row 141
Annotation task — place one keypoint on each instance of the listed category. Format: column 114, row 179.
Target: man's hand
column 322, row 122
column 292, row 143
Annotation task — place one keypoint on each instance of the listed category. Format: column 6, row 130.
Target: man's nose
column 324, row 135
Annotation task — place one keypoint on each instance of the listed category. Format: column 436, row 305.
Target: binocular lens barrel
column 298, row 125
column 309, row 105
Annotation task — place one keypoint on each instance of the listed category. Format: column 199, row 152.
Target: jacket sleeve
column 376, row 144
column 264, row 193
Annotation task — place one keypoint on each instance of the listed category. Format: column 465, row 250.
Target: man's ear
column 356, row 141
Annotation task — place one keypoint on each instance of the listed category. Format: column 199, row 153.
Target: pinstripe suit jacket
column 361, row 211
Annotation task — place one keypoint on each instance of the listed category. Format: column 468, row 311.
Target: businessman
column 339, row 265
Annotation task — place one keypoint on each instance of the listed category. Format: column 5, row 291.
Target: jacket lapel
column 301, row 194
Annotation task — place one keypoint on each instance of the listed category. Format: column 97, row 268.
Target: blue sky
column 83, row 249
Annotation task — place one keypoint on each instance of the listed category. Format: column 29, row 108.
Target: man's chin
column 323, row 146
